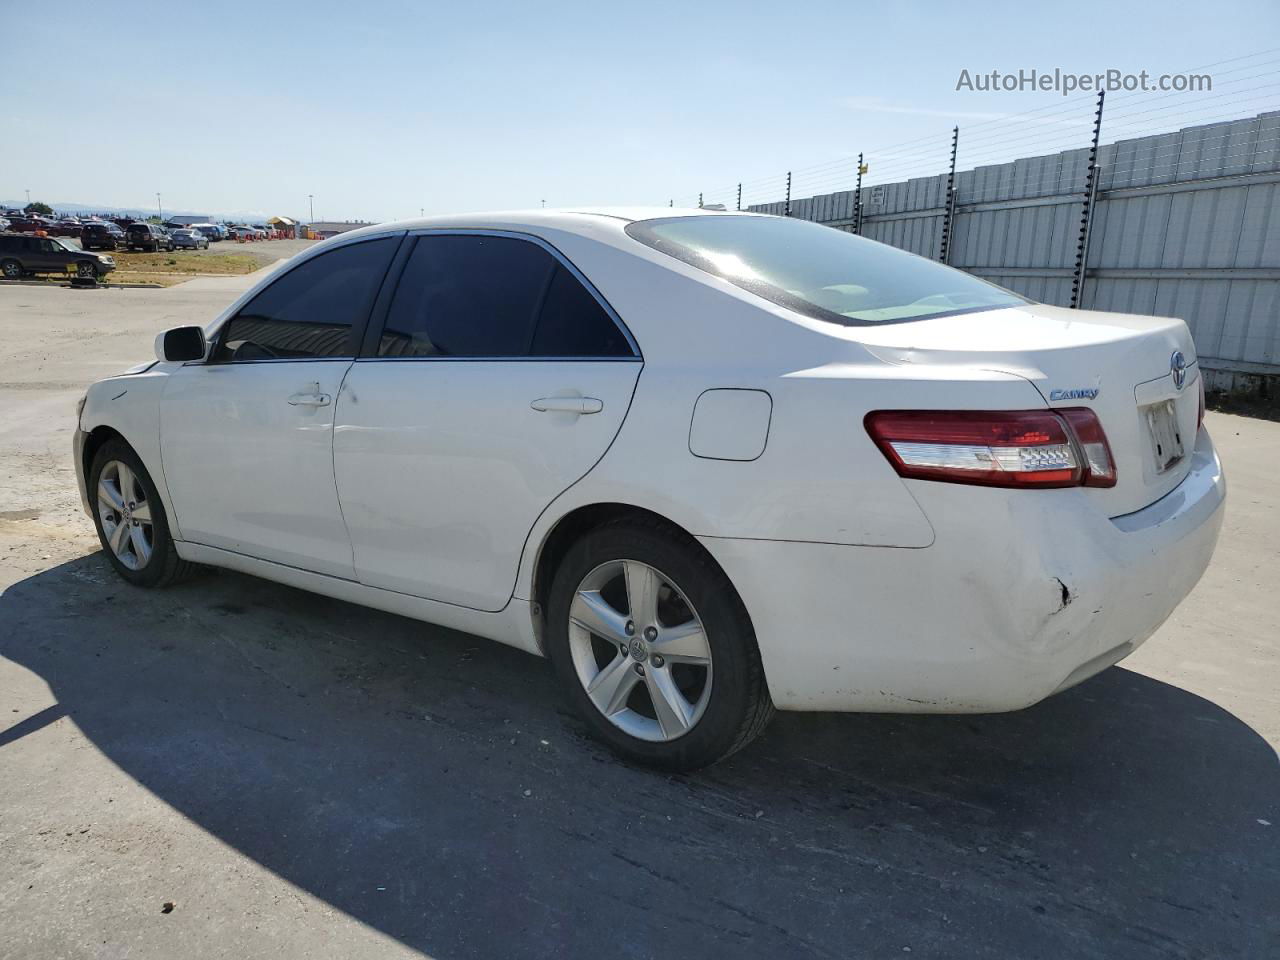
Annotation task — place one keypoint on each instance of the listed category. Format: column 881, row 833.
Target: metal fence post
column 857, row 199
column 787, row 210
column 949, row 211
column 739, row 196
column 1086, row 212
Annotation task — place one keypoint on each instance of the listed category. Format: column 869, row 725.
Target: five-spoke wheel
column 130, row 518
column 654, row 646
column 125, row 515
column 640, row 650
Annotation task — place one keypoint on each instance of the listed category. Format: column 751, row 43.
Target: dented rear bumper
column 1022, row 594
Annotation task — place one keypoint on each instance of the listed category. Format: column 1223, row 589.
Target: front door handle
column 313, row 399
column 579, row 405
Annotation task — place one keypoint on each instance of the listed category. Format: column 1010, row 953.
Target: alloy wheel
column 125, row 514
column 640, row 650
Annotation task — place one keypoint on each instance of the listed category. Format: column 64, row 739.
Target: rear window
column 820, row 271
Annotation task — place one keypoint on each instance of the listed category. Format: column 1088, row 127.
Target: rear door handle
column 579, row 405
column 313, row 399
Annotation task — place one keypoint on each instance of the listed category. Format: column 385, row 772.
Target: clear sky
column 380, row 109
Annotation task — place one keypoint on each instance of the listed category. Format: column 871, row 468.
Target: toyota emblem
column 1178, row 365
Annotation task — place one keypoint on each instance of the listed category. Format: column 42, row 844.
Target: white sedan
column 710, row 464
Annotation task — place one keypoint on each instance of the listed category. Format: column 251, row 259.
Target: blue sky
column 380, row 109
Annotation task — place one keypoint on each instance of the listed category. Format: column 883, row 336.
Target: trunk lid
column 1119, row 365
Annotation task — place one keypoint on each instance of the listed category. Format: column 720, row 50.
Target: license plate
column 1166, row 441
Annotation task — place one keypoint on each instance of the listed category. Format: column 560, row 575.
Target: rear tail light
column 997, row 448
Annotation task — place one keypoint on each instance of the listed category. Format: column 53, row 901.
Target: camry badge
column 1081, row 393
column 1178, row 366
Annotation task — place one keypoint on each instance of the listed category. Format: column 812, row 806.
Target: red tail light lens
column 998, row 448
column 1091, row 441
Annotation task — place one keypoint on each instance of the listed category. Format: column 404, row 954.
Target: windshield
column 820, row 271
column 66, row 244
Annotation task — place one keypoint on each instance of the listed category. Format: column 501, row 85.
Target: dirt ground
column 295, row 776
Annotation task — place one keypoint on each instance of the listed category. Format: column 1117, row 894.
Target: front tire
column 86, row 271
column 130, row 519
column 654, row 647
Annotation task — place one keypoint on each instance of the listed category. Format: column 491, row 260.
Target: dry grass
column 166, row 269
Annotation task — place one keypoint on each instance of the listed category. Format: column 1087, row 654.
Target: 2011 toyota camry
column 710, row 464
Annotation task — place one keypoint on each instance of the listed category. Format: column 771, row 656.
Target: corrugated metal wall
column 1186, row 224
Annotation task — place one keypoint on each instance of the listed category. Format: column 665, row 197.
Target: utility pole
column 1086, row 211
column 857, row 198
column 739, row 196
column 787, row 210
column 159, row 208
column 699, row 201
column 948, row 218
column 311, row 202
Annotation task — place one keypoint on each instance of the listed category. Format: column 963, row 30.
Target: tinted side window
column 573, row 324
column 467, row 297
column 309, row 312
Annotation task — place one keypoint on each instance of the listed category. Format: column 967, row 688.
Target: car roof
column 576, row 220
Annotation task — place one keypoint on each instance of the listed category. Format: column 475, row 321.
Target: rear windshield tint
column 819, row 271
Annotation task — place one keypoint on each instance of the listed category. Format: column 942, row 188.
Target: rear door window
column 572, row 323
column 315, row 311
column 486, row 296
column 469, row 297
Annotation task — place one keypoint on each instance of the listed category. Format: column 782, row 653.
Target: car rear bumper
column 1022, row 594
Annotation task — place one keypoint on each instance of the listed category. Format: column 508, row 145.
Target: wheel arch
column 577, row 523
column 94, row 441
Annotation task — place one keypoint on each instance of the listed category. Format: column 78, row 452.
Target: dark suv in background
column 23, row 254
column 101, row 236
column 147, row 236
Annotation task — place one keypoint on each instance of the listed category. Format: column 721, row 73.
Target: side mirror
column 181, row 344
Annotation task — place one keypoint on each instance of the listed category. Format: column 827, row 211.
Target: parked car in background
column 101, row 235
column 66, row 227
column 4, row 223
column 32, row 224
column 22, row 254
column 210, row 231
column 187, row 239
column 903, row 489
column 147, row 236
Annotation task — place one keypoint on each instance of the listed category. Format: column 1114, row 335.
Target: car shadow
column 433, row 786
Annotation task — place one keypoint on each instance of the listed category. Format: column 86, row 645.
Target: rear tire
column 701, row 702
column 131, row 521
